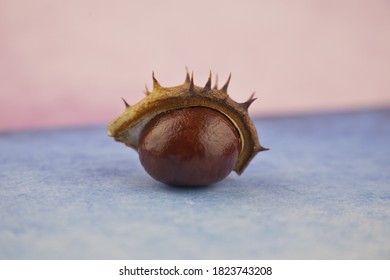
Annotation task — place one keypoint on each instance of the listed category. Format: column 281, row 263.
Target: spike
column 147, row 92
column 156, row 84
column 225, row 87
column 187, row 81
column 126, row 104
column 208, row 84
column 216, row 82
column 262, row 149
column 248, row 103
column 191, row 88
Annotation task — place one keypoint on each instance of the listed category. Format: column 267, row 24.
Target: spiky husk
column 127, row 128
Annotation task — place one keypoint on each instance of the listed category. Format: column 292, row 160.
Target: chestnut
column 190, row 146
column 189, row 135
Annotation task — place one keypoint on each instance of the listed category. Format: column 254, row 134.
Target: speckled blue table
column 321, row 192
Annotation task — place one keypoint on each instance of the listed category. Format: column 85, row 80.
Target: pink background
column 65, row 63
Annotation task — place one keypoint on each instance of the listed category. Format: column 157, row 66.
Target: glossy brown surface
column 191, row 146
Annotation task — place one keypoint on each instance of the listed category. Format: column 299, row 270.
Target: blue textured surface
column 322, row 191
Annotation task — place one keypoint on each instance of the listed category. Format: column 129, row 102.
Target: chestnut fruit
column 189, row 135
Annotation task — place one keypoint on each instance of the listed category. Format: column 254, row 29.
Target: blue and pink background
column 321, row 72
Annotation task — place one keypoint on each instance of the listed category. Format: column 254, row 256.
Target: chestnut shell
column 129, row 127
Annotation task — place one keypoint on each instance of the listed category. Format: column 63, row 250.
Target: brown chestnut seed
column 191, row 146
column 187, row 134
